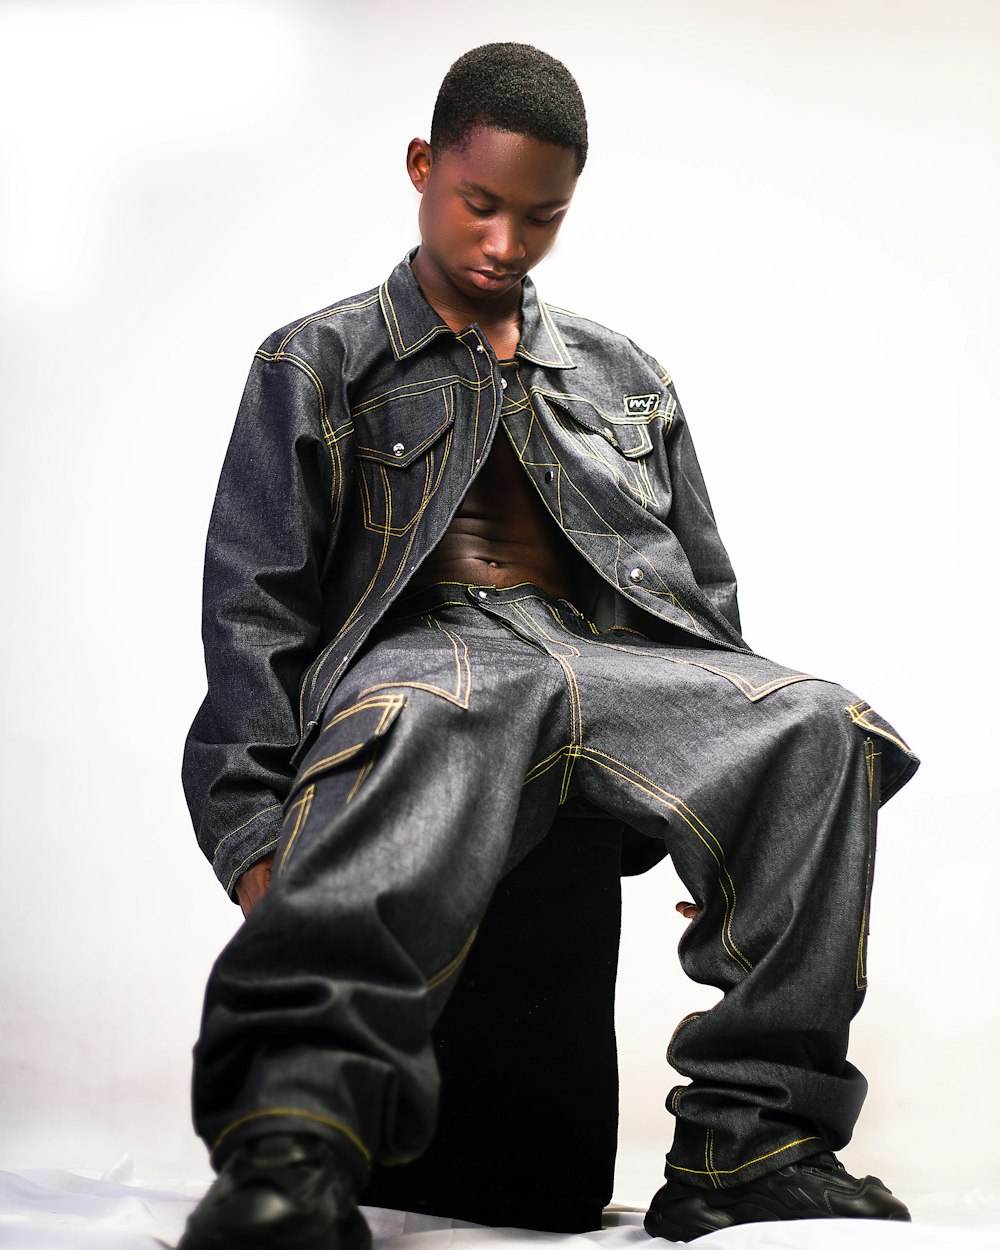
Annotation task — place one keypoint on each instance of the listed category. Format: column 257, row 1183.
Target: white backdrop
column 793, row 205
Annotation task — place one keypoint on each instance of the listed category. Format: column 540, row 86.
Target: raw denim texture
column 400, row 752
column 470, row 717
column 359, row 433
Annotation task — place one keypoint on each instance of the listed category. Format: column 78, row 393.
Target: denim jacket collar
column 412, row 323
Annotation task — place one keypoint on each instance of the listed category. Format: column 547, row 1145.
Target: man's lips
column 489, row 279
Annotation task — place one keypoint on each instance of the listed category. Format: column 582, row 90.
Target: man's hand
column 687, row 910
column 251, row 886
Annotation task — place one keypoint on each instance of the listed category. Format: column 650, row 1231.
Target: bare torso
column 502, row 533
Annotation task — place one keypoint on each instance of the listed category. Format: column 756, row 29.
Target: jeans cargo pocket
column 348, row 732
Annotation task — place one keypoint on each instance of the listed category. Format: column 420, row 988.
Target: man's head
column 508, row 142
column 512, row 87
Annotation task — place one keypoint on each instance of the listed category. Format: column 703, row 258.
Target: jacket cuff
column 246, row 845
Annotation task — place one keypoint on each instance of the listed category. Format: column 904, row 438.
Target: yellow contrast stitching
column 327, row 312
column 859, row 714
column 310, row 373
column 329, row 1121
column 303, row 804
column 697, row 827
column 664, row 592
column 694, row 1015
column 716, row 1172
column 390, row 707
column 576, row 704
column 259, row 853
column 451, row 968
column 463, row 674
column 239, row 828
column 362, row 776
column 550, row 761
column 405, row 347
column 861, row 972
column 743, row 684
column 711, row 1158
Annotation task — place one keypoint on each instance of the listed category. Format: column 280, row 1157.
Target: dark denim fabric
column 468, row 718
column 360, row 430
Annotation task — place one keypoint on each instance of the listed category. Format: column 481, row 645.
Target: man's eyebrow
column 492, row 195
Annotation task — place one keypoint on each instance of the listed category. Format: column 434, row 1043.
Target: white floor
column 56, row 1210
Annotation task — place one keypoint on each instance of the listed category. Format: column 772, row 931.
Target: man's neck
column 500, row 319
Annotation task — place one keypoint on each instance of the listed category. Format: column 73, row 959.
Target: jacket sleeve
column 273, row 524
column 691, row 517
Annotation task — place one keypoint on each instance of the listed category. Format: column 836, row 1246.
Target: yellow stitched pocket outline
column 460, row 696
column 388, row 706
column 301, row 809
column 861, row 714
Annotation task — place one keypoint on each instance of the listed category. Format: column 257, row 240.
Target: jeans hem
column 712, row 1177
column 351, row 1151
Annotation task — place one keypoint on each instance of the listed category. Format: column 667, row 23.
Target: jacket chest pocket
column 402, row 442
column 620, row 444
column 624, row 436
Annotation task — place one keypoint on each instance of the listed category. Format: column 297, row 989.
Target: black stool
column 528, row 1123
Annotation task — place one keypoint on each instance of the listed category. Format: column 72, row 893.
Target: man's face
column 490, row 211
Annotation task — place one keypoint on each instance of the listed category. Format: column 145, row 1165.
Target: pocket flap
column 350, row 731
column 627, row 434
column 398, row 428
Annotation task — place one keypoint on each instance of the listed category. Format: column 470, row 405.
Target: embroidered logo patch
column 641, row 405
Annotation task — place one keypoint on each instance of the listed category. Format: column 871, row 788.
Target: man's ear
column 419, row 160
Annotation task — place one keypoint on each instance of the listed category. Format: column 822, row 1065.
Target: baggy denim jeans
column 474, row 713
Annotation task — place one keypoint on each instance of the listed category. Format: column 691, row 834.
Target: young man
column 463, row 570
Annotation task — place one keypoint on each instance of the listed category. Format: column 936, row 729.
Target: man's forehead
column 506, row 164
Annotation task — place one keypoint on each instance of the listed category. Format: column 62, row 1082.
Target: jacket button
column 398, row 449
column 480, row 347
column 636, row 575
column 503, row 384
column 482, row 594
column 548, row 475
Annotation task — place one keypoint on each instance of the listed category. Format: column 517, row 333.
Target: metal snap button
column 548, row 475
column 398, row 449
column 636, row 574
column 503, row 384
column 480, row 347
column 482, row 594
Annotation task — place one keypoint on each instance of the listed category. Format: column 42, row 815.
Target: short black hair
column 513, row 87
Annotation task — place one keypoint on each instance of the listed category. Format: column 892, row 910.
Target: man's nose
column 502, row 242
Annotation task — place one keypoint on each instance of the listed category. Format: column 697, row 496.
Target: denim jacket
column 360, row 430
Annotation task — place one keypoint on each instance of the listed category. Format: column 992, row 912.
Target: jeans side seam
column 697, row 826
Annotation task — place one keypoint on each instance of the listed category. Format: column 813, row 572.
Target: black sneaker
column 283, row 1191
column 816, row 1188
